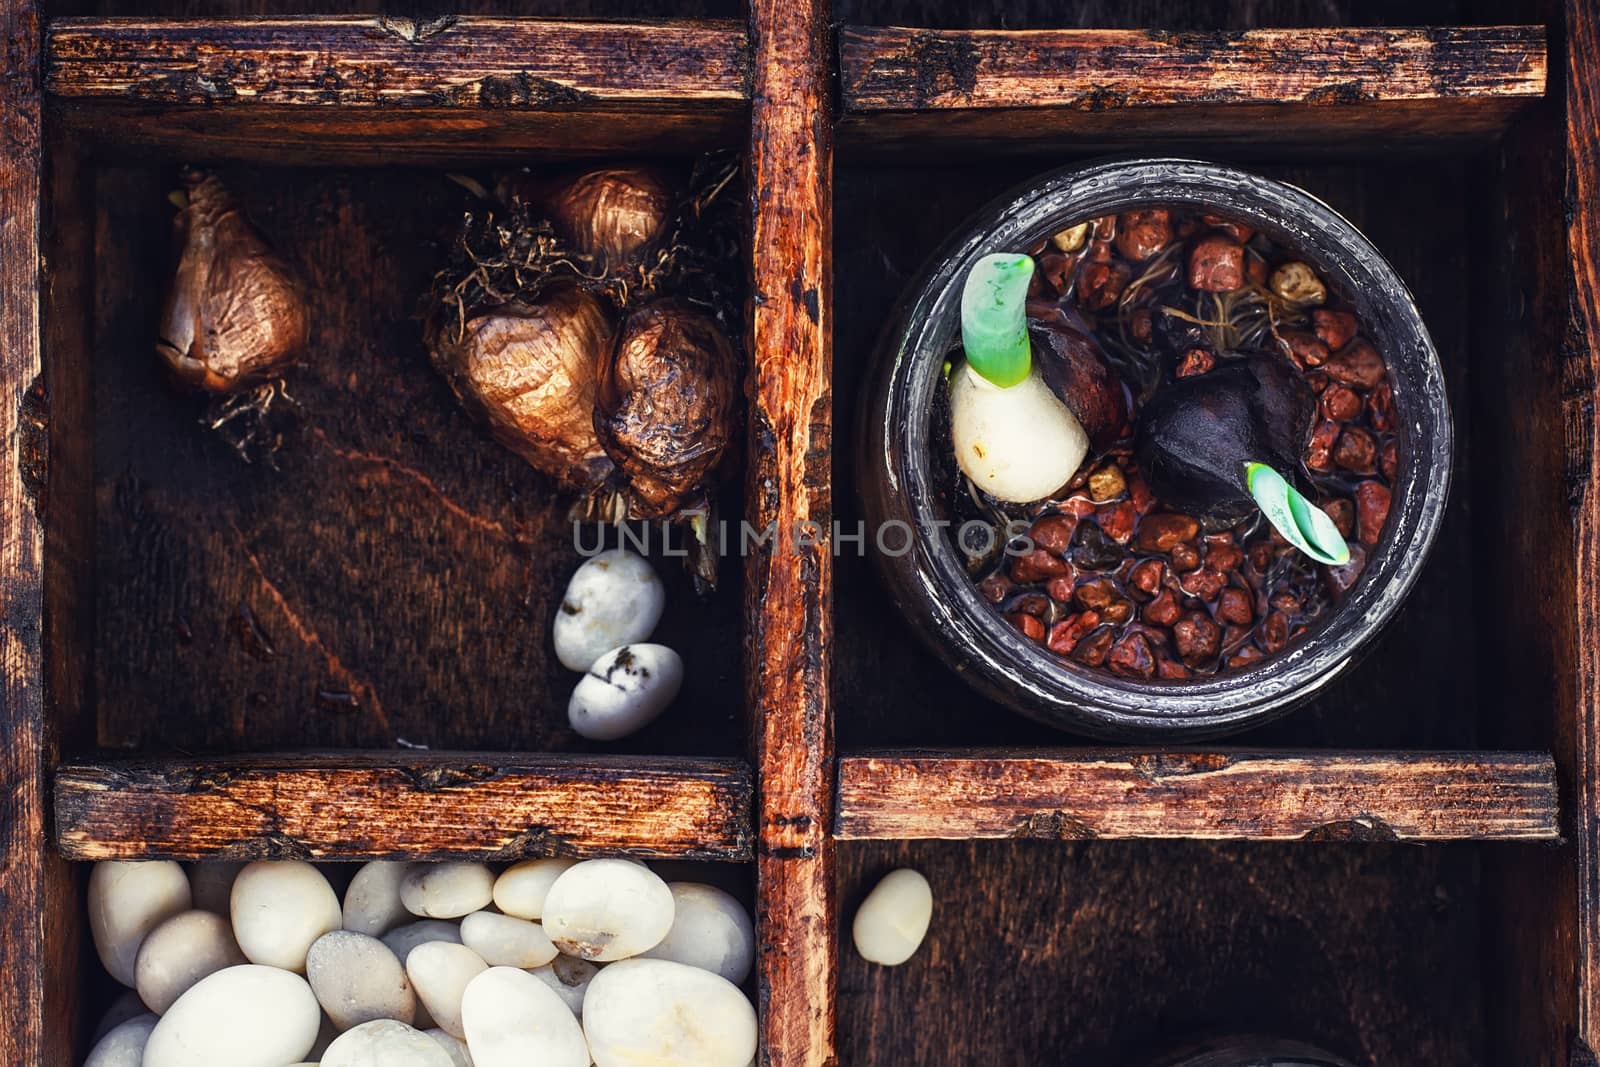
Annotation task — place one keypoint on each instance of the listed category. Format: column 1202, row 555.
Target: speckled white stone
column 446, row 890
column 569, row 977
column 514, row 1020
column 385, row 1043
column 506, row 941
column 614, row 599
column 894, row 918
column 180, row 952
column 710, row 930
column 656, row 1013
column 123, row 1045
column 625, row 690
column 521, row 888
column 439, row 972
column 126, row 902
column 358, row 979
column 603, row 910
column 372, row 904
column 279, row 908
column 246, row 1016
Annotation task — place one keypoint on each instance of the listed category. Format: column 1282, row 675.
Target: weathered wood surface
column 1217, row 795
column 1093, row 954
column 917, row 87
column 472, row 62
column 396, row 578
column 417, row 806
column 1580, row 392
column 391, row 89
column 789, row 611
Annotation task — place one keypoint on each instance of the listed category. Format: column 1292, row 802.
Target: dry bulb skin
column 236, row 316
column 612, row 214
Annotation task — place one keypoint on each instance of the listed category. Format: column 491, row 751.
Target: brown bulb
column 235, row 315
column 665, row 406
column 529, row 370
column 612, row 213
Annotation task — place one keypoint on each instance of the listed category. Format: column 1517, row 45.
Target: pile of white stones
column 550, row 962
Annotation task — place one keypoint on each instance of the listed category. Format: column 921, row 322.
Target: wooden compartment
column 1273, row 886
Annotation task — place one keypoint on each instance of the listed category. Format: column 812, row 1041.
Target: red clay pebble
column 1233, row 605
column 1029, row 604
column 1095, row 593
column 1053, row 268
column 1141, row 325
column 1195, row 361
column 1341, row 579
column 1170, row 670
column 1317, row 381
column 1287, row 603
column 1216, row 264
column 1164, row 610
column 1146, row 577
column 1343, row 514
column 1053, row 532
column 1118, row 521
column 1060, row 587
column 1118, row 611
column 1245, row 656
column 1163, row 533
column 1319, row 451
column 1274, row 632
column 1139, row 493
column 1143, row 233
column 1381, row 403
column 1357, row 363
column 1185, row 557
column 1356, row 451
column 1130, row 658
column 1335, row 328
column 1196, row 638
column 1091, row 651
column 1031, row 627
column 1305, row 348
column 1065, row 635
column 1204, row 583
column 996, row 587
column 1255, row 270
column 1036, row 566
column 1372, row 510
column 1100, row 284
column 1224, row 557
column 1261, row 553
column 1237, row 230
column 1389, row 461
column 1340, row 403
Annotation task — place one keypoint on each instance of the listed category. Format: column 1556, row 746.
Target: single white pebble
column 521, row 888
column 614, row 599
column 179, row 953
column 894, row 918
column 569, row 977
column 402, row 939
column 125, row 1007
column 656, row 1013
column 506, row 941
column 246, row 1016
column 446, row 890
column 604, row 910
column 385, row 1043
column 127, row 901
column 212, row 884
column 279, row 908
column 358, row 979
column 454, row 1047
column 372, row 904
column 625, row 690
column 512, row 1020
column 439, row 972
column 710, row 930
column 123, row 1045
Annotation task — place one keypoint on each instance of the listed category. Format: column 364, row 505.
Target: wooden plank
column 1215, row 795
column 1580, row 383
column 1305, row 87
column 789, row 580
column 419, row 806
column 382, row 89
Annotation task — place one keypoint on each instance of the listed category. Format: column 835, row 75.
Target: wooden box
column 201, row 663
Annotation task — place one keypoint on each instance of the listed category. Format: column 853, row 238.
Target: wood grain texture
column 1580, row 384
column 377, row 89
column 789, row 584
column 1216, row 795
column 418, row 806
column 905, row 88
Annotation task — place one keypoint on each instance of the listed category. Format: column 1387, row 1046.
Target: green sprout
column 994, row 322
column 1303, row 524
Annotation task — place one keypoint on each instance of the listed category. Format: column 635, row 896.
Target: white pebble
column 358, row 979
column 506, row 941
column 246, row 1016
column 446, row 890
column 179, row 953
column 125, row 1007
column 569, row 977
column 402, row 939
column 614, row 599
column 212, row 884
column 710, row 930
column 656, row 1013
column 279, row 908
column 512, row 1020
column 123, row 1045
column 521, row 888
column 625, row 690
column 439, row 972
column 454, row 1047
column 385, row 1043
column 894, row 918
column 605, row 910
column 126, row 902
column 372, row 904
